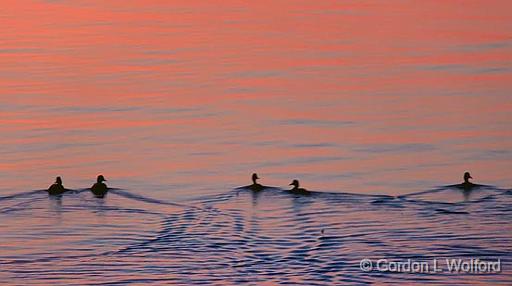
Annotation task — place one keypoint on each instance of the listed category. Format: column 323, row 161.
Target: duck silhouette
column 297, row 190
column 466, row 185
column 56, row 188
column 99, row 189
column 255, row 186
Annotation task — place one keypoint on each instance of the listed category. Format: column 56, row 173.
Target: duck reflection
column 56, row 206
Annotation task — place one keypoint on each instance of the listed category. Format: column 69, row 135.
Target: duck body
column 467, row 186
column 56, row 188
column 99, row 189
column 297, row 190
column 256, row 187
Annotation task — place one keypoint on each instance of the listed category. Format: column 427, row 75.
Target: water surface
column 370, row 103
column 181, row 99
column 242, row 237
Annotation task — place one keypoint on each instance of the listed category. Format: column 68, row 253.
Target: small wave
column 446, row 211
column 145, row 199
column 432, row 191
column 215, row 198
column 245, row 236
column 18, row 206
column 132, row 196
column 21, row 195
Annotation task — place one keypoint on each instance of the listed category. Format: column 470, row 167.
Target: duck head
column 295, row 184
column 58, row 181
column 467, row 176
column 254, row 178
column 100, row 179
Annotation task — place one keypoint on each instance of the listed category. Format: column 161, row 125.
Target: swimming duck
column 466, row 187
column 467, row 184
column 99, row 189
column 297, row 190
column 56, row 188
column 255, row 186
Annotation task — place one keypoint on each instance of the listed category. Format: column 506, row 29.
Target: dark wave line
column 220, row 197
column 164, row 233
column 141, row 198
column 55, row 258
column 459, row 186
column 447, row 211
column 17, row 206
column 136, row 197
column 431, row 191
column 20, row 195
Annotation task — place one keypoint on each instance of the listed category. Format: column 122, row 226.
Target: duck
column 99, row 189
column 255, row 186
column 297, row 190
column 467, row 187
column 56, row 188
column 467, row 184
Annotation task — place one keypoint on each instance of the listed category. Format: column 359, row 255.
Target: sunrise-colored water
column 177, row 102
column 242, row 237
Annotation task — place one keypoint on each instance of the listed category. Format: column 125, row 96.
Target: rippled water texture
column 176, row 102
column 245, row 237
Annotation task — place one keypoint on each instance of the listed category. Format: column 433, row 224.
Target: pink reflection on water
column 193, row 97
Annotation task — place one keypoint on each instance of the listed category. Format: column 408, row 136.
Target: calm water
column 176, row 101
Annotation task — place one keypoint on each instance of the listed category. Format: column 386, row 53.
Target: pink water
column 177, row 100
